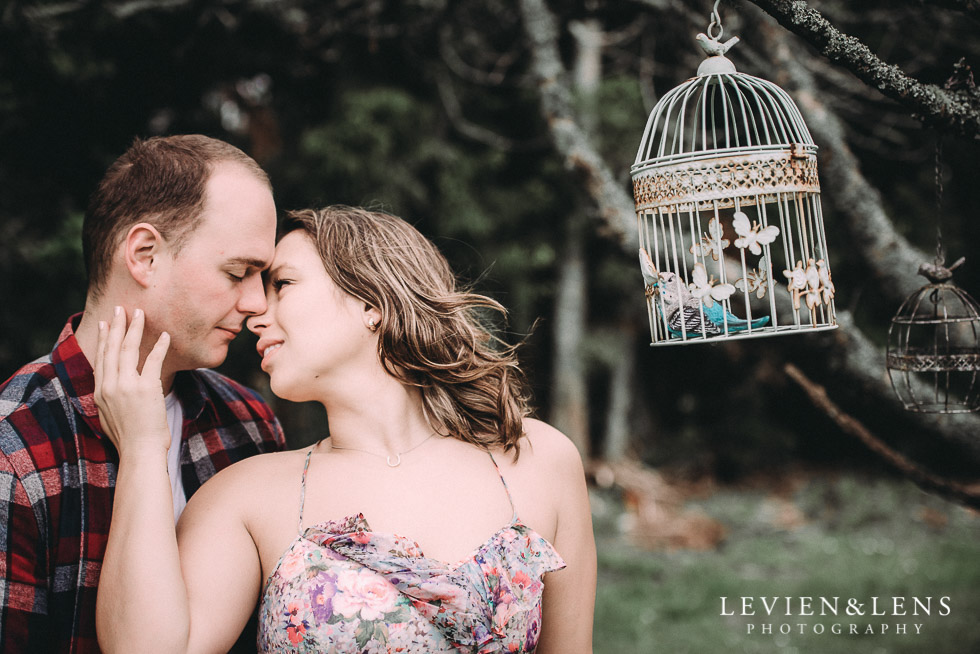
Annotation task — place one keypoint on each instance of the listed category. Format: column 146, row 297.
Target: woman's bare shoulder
column 254, row 478
column 549, row 446
column 547, row 457
column 547, row 471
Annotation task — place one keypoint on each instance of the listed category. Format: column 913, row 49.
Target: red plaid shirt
column 58, row 475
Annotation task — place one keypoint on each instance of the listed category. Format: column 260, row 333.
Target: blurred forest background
column 504, row 130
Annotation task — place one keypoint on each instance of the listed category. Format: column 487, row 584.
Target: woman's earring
column 371, row 324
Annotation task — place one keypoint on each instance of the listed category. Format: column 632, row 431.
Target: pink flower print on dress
column 291, row 566
column 364, row 593
column 297, row 626
column 521, row 580
column 295, row 634
column 443, row 590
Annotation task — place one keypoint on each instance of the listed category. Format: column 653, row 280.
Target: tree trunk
column 614, row 206
column 616, row 440
column 569, row 405
column 570, row 408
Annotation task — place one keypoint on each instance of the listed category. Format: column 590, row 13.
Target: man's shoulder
column 27, row 403
column 35, row 382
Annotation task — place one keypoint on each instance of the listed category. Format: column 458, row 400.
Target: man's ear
column 142, row 249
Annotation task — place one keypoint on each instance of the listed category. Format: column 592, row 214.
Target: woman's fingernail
column 138, row 312
column 101, row 325
column 117, row 310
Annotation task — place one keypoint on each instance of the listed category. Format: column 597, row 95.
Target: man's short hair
column 160, row 181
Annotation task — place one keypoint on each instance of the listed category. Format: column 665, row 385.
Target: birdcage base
column 760, row 332
column 940, row 407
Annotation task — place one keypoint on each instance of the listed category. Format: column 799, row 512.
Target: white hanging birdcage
column 933, row 355
column 726, row 190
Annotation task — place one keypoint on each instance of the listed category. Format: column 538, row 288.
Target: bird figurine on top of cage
column 728, row 209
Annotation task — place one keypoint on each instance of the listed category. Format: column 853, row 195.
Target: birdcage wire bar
column 933, row 355
column 774, row 121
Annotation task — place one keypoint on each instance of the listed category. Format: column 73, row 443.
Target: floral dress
column 341, row 587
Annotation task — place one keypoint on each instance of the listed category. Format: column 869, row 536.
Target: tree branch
column 958, row 111
column 478, row 133
column 967, row 494
column 615, row 206
column 455, row 62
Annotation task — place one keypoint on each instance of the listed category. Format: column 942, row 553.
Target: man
column 180, row 227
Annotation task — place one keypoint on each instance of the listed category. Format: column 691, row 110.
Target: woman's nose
column 256, row 324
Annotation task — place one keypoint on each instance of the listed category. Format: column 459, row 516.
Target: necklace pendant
column 398, row 461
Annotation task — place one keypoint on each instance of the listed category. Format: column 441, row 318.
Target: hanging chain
column 940, row 250
column 715, row 23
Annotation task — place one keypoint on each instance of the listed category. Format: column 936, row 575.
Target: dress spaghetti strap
column 506, row 490
column 302, row 491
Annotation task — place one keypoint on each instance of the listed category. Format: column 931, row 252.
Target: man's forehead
column 238, row 223
column 250, row 262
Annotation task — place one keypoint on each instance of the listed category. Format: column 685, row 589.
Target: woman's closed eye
column 279, row 283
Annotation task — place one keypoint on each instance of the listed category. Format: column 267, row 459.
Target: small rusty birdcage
column 933, row 355
column 726, row 190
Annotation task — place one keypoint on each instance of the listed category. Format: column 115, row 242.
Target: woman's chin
column 287, row 391
column 280, row 390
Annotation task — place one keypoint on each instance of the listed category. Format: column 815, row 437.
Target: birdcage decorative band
column 928, row 361
column 701, row 183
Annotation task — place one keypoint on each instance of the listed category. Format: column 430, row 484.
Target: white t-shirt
column 175, row 420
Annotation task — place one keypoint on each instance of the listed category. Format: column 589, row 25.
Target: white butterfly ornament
column 752, row 235
column 712, row 242
column 755, row 280
column 704, row 288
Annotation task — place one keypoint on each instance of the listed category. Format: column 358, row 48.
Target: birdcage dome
column 728, row 210
column 714, row 116
column 933, row 355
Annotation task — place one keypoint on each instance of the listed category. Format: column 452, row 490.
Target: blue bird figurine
column 680, row 306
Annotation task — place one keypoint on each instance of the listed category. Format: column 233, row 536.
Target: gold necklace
column 398, row 455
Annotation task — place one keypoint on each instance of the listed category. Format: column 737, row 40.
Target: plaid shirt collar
column 75, row 372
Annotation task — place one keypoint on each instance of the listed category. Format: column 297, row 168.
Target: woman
column 436, row 517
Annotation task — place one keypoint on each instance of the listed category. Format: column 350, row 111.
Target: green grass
column 862, row 538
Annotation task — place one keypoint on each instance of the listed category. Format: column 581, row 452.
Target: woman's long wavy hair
column 431, row 333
